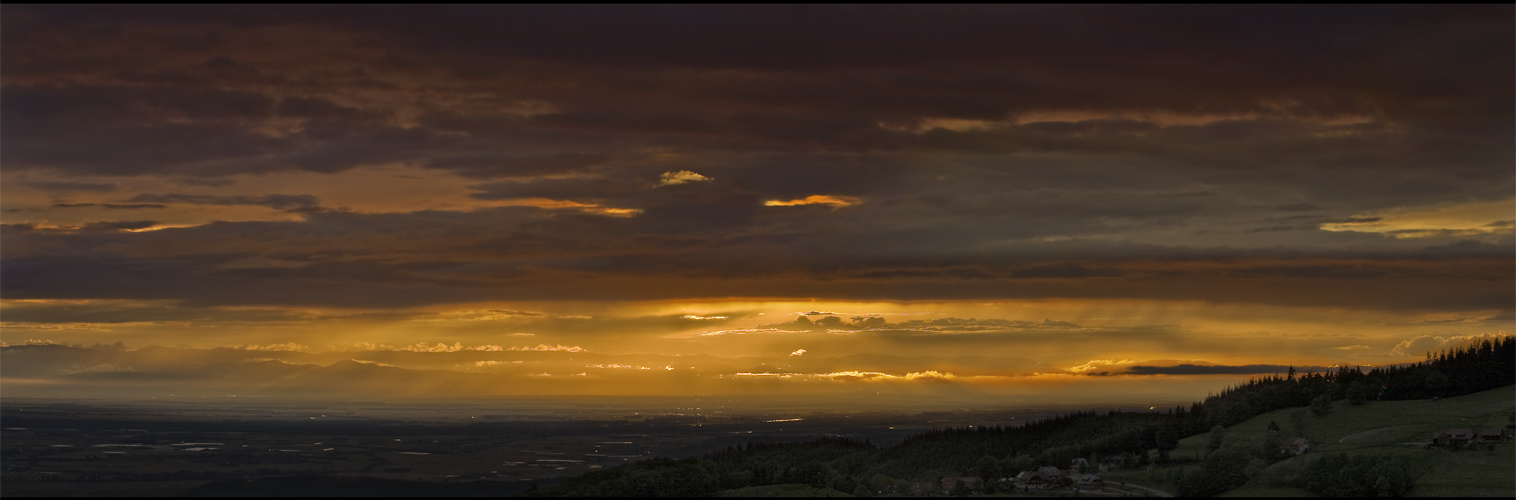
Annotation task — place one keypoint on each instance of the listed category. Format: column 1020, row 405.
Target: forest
column 993, row 452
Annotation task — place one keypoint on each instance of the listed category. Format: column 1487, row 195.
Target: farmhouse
column 1048, row 473
column 1091, row 482
column 1459, row 436
column 1298, row 445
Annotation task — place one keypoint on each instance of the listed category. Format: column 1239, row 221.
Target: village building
column 1049, row 472
column 1491, row 434
column 1297, row 446
column 1459, row 436
column 1047, row 477
column 1091, row 482
column 1023, row 478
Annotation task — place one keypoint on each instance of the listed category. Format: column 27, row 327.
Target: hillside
column 1374, row 429
column 1368, row 428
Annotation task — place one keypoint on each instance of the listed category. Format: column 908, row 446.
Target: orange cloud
column 680, row 177
column 816, row 199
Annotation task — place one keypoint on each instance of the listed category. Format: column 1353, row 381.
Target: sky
column 989, row 200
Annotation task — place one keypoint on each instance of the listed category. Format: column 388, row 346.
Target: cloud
column 1191, row 369
column 879, row 376
column 798, row 352
column 500, row 166
column 680, row 177
column 1433, row 343
column 1065, row 270
column 816, row 199
column 124, row 225
column 1156, row 175
column 1096, row 364
column 287, row 346
column 114, row 206
column 71, row 186
column 275, row 201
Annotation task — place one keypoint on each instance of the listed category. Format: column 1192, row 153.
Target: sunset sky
column 1001, row 199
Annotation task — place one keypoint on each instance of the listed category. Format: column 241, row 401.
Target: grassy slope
column 1378, row 428
column 782, row 490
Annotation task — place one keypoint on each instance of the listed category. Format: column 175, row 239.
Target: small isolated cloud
column 1351, row 347
column 798, row 352
column 816, row 199
column 692, row 316
column 678, row 177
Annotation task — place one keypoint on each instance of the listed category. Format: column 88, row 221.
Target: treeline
column 992, row 452
column 1481, row 366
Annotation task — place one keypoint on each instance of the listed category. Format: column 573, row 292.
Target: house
column 1491, row 434
column 1112, row 462
column 1047, row 477
column 1297, row 446
column 1024, row 478
column 1091, row 482
column 1049, row 472
column 973, row 483
column 1459, row 436
column 1078, row 463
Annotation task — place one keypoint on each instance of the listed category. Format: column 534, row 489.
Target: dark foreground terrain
column 205, row 447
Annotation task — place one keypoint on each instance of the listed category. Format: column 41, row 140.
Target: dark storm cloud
column 1064, row 271
column 115, row 130
column 117, row 225
column 113, row 206
column 72, row 186
column 115, row 277
column 275, row 201
column 988, row 151
column 135, row 312
column 1188, row 369
column 498, row 166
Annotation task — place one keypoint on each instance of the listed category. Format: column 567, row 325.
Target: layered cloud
column 201, row 171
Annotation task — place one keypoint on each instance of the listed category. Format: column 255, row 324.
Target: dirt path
column 1130, row 485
